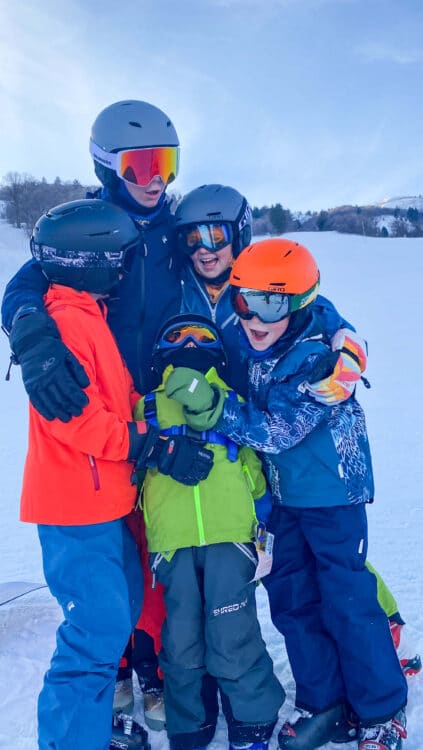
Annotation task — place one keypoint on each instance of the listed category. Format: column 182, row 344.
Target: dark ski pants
column 141, row 657
column 94, row 572
column 211, row 626
column 324, row 601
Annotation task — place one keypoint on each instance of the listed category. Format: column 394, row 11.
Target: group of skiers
column 165, row 357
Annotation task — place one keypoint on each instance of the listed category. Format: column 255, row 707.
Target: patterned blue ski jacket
column 314, row 455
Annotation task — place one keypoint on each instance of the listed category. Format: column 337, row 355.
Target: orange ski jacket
column 76, row 473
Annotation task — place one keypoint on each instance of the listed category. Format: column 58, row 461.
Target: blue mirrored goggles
column 213, row 237
column 270, row 307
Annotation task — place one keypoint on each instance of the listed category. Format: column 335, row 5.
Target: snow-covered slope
column 375, row 283
column 403, row 202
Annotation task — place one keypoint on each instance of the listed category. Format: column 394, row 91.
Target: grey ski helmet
column 129, row 124
column 84, row 244
column 214, row 204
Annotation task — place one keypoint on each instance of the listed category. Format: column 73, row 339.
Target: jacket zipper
column 157, row 560
column 204, row 294
column 94, row 472
column 200, row 525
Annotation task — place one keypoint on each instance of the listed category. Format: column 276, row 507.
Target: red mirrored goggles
column 139, row 165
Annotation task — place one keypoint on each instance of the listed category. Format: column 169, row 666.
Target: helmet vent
column 135, row 124
column 288, row 253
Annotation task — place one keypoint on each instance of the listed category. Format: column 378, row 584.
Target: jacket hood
column 58, row 295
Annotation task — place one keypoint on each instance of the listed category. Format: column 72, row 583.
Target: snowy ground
column 375, row 283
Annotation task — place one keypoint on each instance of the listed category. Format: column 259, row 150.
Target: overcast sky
column 310, row 103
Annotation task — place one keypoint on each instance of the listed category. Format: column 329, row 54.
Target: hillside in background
column 396, row 217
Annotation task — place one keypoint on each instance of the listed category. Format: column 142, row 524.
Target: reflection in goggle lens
column 270, row 307
column 212, row 237
column 178, row 334
column 139, row 166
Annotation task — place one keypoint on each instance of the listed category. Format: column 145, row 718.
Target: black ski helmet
column 210, row 204
column 84, row 244
column 170, row 349
column 125, row 125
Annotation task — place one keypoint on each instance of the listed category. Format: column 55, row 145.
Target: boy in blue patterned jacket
column 322, row 597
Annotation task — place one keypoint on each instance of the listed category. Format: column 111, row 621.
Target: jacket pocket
column 249, row 550
column 94, row 472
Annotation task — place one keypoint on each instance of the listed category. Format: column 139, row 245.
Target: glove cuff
column 137, row 432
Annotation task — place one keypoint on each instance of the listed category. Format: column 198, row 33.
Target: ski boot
column 347, row 729
column 411, row 662
column 127, row 734
column 123, row 699
column 306, row 731
column 154, row 710
column 386, row 736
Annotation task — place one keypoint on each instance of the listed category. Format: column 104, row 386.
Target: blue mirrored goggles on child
column 269, row 307
column 213, row 237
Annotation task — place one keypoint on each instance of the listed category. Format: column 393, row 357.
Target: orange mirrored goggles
column 197, row 333
column 212, row 237
column 139, row 165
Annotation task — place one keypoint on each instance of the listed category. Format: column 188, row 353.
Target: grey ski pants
column 211, row 626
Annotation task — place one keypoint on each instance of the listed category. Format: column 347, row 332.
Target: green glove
column 203, row 403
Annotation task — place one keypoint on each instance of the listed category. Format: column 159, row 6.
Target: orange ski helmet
column 279, row 266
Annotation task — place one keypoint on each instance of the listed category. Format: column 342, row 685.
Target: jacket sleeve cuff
column 137, row 432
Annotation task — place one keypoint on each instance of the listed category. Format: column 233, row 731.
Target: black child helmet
column 189, row 340
column 84, row 244
column 215, row 205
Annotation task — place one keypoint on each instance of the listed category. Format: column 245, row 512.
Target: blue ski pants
column 95, row 574
column 324, row 601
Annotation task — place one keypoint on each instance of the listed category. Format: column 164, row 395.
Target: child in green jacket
column 202, row 545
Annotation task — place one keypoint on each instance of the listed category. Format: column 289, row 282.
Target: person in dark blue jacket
column 135, row 150
column 323, row 599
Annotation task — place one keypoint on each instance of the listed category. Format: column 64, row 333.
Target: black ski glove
column 181, row 457
column 52, row 376
column 185, row 459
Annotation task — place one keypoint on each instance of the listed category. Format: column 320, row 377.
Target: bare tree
column 14, row 191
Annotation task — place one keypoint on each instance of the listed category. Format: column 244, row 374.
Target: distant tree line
column 25, row 199
column 372, row 221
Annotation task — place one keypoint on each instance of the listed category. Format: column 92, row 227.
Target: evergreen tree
column 279, row 219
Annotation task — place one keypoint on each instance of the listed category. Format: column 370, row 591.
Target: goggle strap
column 302, row 300
column 103, row 157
